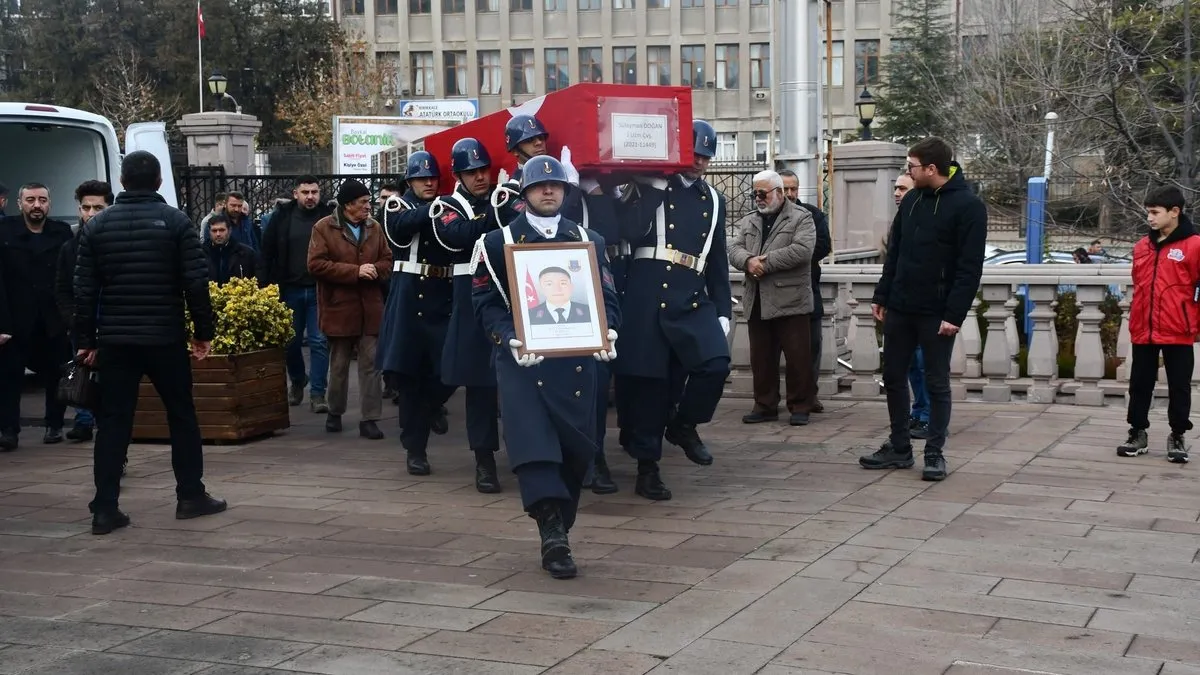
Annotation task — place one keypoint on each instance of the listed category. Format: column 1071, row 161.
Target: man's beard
column 35, row 216
column 770, row 210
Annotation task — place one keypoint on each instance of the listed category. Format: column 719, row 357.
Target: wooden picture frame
column 557, row 300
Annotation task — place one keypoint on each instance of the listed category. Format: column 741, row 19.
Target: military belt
column 672, row 256
column 424, row 270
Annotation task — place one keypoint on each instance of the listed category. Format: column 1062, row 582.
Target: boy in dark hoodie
column 930, row 277
column 1164, row 318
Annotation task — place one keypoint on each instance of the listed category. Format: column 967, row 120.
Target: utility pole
column 799, row 122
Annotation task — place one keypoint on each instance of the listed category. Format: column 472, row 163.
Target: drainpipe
column 799, row 124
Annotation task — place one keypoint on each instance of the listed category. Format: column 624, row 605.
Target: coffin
column 610, row 128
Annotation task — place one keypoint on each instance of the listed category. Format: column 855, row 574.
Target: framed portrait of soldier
column 557, row 301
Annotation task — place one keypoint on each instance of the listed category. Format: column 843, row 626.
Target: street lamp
column 865, row 105
column 218, row 86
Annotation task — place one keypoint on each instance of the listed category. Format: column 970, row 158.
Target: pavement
column 1043, row 552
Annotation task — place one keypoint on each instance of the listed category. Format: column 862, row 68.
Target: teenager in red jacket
column 1163, row 318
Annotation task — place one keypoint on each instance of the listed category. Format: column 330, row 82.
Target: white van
column 62, row 147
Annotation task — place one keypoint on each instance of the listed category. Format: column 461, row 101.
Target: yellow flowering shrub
column 249, row 318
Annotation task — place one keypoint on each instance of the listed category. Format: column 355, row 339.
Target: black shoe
column 686, row 437
column 556, row 549
column 918, row 429
column 439, row 424
column 1136, row 444
column 623, row 438
column 296, row 391
column 368, row 429
column 204, row 505
column 487, row 480
column 80, row 434
column 418, row 465
column 649, row 483
column 1177, row 449
column 52, row 436
column 887, row 457
column 798, row 419
column 935, row 467
column 333, row 423
column 757, row 417
column 103, row 523
column 818, row 407
column 8, row 442
column 602, row 482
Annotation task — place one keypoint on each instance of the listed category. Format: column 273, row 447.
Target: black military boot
column 418, row 464
column 649, row 482
column 369, row 429
column 556, row 550
column 439, row 424
column 686, row 437
column 487, row 480
column 602, row 482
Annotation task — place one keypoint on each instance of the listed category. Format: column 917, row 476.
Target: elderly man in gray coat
column 774, row 247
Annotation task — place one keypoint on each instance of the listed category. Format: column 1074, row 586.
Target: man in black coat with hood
column 930, row 278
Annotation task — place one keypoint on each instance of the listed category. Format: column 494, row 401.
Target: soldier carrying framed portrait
column 558, row 309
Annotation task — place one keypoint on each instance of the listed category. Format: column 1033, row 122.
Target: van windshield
column 58, row 156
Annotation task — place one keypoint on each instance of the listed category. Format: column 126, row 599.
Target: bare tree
column 125, row 93
column 352, row 82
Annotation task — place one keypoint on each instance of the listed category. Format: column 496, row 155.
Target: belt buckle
column 685, row 259
column 438, row 271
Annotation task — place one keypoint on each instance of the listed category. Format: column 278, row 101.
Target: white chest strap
column 438, row 207
column 395, row 204
column 506, row 232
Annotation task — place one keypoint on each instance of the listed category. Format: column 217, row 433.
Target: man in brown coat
column 351, row 261
column 774, row 248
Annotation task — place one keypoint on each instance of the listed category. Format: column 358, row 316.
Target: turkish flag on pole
column 531, row 296
column 199, row 20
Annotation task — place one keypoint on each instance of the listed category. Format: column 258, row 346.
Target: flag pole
column 200, row 55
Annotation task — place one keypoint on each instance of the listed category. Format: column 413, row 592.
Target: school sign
column 357, row 139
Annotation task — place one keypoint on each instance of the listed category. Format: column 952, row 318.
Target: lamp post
column 865, row 105
column 218, row 86
column 1051, row 120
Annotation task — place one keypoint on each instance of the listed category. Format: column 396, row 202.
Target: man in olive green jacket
column 774, row 247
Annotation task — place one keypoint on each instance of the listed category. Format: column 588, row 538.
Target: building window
column 757, row 2
column 866, row 62
column 353, row 7
column 725, row 3
column 556, row 5
column 490, row 79
column 424, row 78
column 420, row 6
column 454, row 6
column 625, row 65
column 760, row 65
column 658, row 65
column 622, row 4
column 688, row 4
column 691, row 66
column 726, row 147
column 589, row 5
column 487, row 5
column 762, row 141
column 557, row 74
column 523, row 71
column 456, row 73
column 838, row 48
column 520, row 5
column 727, row 66
column 658, row 4
column 591, row 64
column 384, row 7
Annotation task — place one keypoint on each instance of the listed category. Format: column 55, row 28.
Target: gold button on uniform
column 664, row 285
column 705, row 214
column 668, row 268
column 662, row 305
column 578, row 394
column 695, row 305
column 671, row 226
column 670, row 246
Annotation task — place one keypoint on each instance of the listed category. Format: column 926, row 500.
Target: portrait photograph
column 557, row 308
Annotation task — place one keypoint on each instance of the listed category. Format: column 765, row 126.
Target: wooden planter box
column 238, row 396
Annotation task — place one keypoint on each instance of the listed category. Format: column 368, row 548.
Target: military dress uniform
column 676, row 351
column 457, row 222
column 417, row 316
column 549, row 408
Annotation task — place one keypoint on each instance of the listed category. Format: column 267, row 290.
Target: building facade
column 504, row 52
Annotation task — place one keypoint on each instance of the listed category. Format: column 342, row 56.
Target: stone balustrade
column 986, row 362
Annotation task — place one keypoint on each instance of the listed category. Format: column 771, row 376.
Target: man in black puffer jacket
column 139, row 262
column 930, row 278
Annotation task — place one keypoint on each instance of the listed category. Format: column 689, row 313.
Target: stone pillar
column 1089, row 354
column 864, row 174
column 996, row 359
column 827, row 381
column 221, row 139
column 1042, row 360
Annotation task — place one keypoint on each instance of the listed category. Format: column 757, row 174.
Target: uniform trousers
column 686, row 397
column 370, row 388
column 483, row 409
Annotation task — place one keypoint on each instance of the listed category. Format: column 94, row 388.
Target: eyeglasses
column 763, row 194
column 910, row 166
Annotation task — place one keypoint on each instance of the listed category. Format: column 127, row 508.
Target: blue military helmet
column 704, row 139
column 522, row 128
column 542, row 169
column 421, row 164
column 468, row 154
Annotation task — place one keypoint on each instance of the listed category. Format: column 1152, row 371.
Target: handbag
column 78, row 386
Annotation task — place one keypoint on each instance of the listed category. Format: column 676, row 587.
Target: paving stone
column 266, row 580
column 424, row 616
column 781, row 616
column 330, row 660
column 968, row 603
column 194, row 646
column 452, row 595
column 504, row 648
column 291, row 604
column 567, row 605
column 714, row 657
column 593, row 661
column 129, row 590
column 589, row 586
column 68, row 634
column 96, row 663
column 548, row 627
column 344, row 568
column 322, row 631
column 146, row 615
column 17, row 659
column 1062, row 637
column 672, row 626
column 40, row 606
column 1147, row 646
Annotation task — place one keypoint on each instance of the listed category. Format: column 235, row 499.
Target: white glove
column 502, row 178
column 611, row 354
column 524, row 361
column 724, row 325
column 4, row 337
column 589, row 185
column 656, row 183
column 565, row 160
